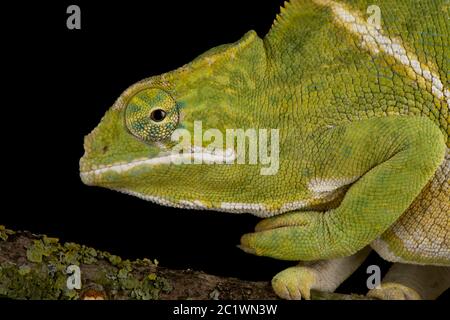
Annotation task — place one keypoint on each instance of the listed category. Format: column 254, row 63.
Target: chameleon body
column 362, row 110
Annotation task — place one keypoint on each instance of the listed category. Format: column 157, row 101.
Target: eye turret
column 151, row 115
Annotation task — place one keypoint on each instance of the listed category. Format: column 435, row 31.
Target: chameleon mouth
column 194, row 156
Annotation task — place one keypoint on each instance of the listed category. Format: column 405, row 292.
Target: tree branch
column 35, row 267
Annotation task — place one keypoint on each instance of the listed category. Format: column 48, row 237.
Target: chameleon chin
column 364, row 164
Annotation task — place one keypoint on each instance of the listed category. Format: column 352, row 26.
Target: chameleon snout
column 94, row 150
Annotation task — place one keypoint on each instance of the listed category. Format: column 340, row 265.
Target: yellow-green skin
column 363, row 116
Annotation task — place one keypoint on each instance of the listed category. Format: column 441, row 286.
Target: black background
column 60, row 82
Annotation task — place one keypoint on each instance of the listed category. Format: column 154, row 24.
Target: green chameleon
column 359, row 93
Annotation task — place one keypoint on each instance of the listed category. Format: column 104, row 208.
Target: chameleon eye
column 151, row 115
column 158, row 115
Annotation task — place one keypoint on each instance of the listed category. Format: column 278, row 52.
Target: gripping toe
column 294, row 283
column 394, row 291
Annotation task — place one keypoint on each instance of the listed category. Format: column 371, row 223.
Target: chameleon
column 359, row 93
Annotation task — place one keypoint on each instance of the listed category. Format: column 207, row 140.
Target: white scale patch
column 256, row 209
column 237, row 207
column 382, row 248
column 420, row 241
column 260, row 209
column 155, row 199
column 195, row 204
column 433, row 251
column 319, row 188
column 322, row 188
column 295, row 205
column 183, row 204
column 374, row 40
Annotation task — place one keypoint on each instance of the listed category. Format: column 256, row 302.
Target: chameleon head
column 132, row 149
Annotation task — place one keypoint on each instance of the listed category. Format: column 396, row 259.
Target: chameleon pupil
column 158, row 115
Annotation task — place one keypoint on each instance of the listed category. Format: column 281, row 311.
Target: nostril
column 105, row 149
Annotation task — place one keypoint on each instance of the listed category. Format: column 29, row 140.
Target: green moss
column 149, row 289
column 122, row 274
column 23, row 270
column 32, row 284
column 48, row 279
column 4, row 233
column 49, row 241
column 88, row 255
column 43, row 247
column 115, row 260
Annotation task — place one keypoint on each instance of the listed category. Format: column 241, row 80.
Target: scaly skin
column 363, row 117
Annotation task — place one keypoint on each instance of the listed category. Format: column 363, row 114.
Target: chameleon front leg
column 412, row 282
column 392, row 159
column 297, row 282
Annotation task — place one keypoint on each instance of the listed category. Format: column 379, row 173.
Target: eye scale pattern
column 363, row 119
column 151, row 115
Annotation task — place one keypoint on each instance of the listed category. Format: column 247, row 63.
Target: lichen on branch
column 35, row 267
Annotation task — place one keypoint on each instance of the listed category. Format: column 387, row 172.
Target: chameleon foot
column 394, row 291
column 294, row 283
column 297, row 282
column 412, row 282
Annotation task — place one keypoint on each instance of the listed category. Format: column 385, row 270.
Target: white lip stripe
column 375, row 41
column 198, row 154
